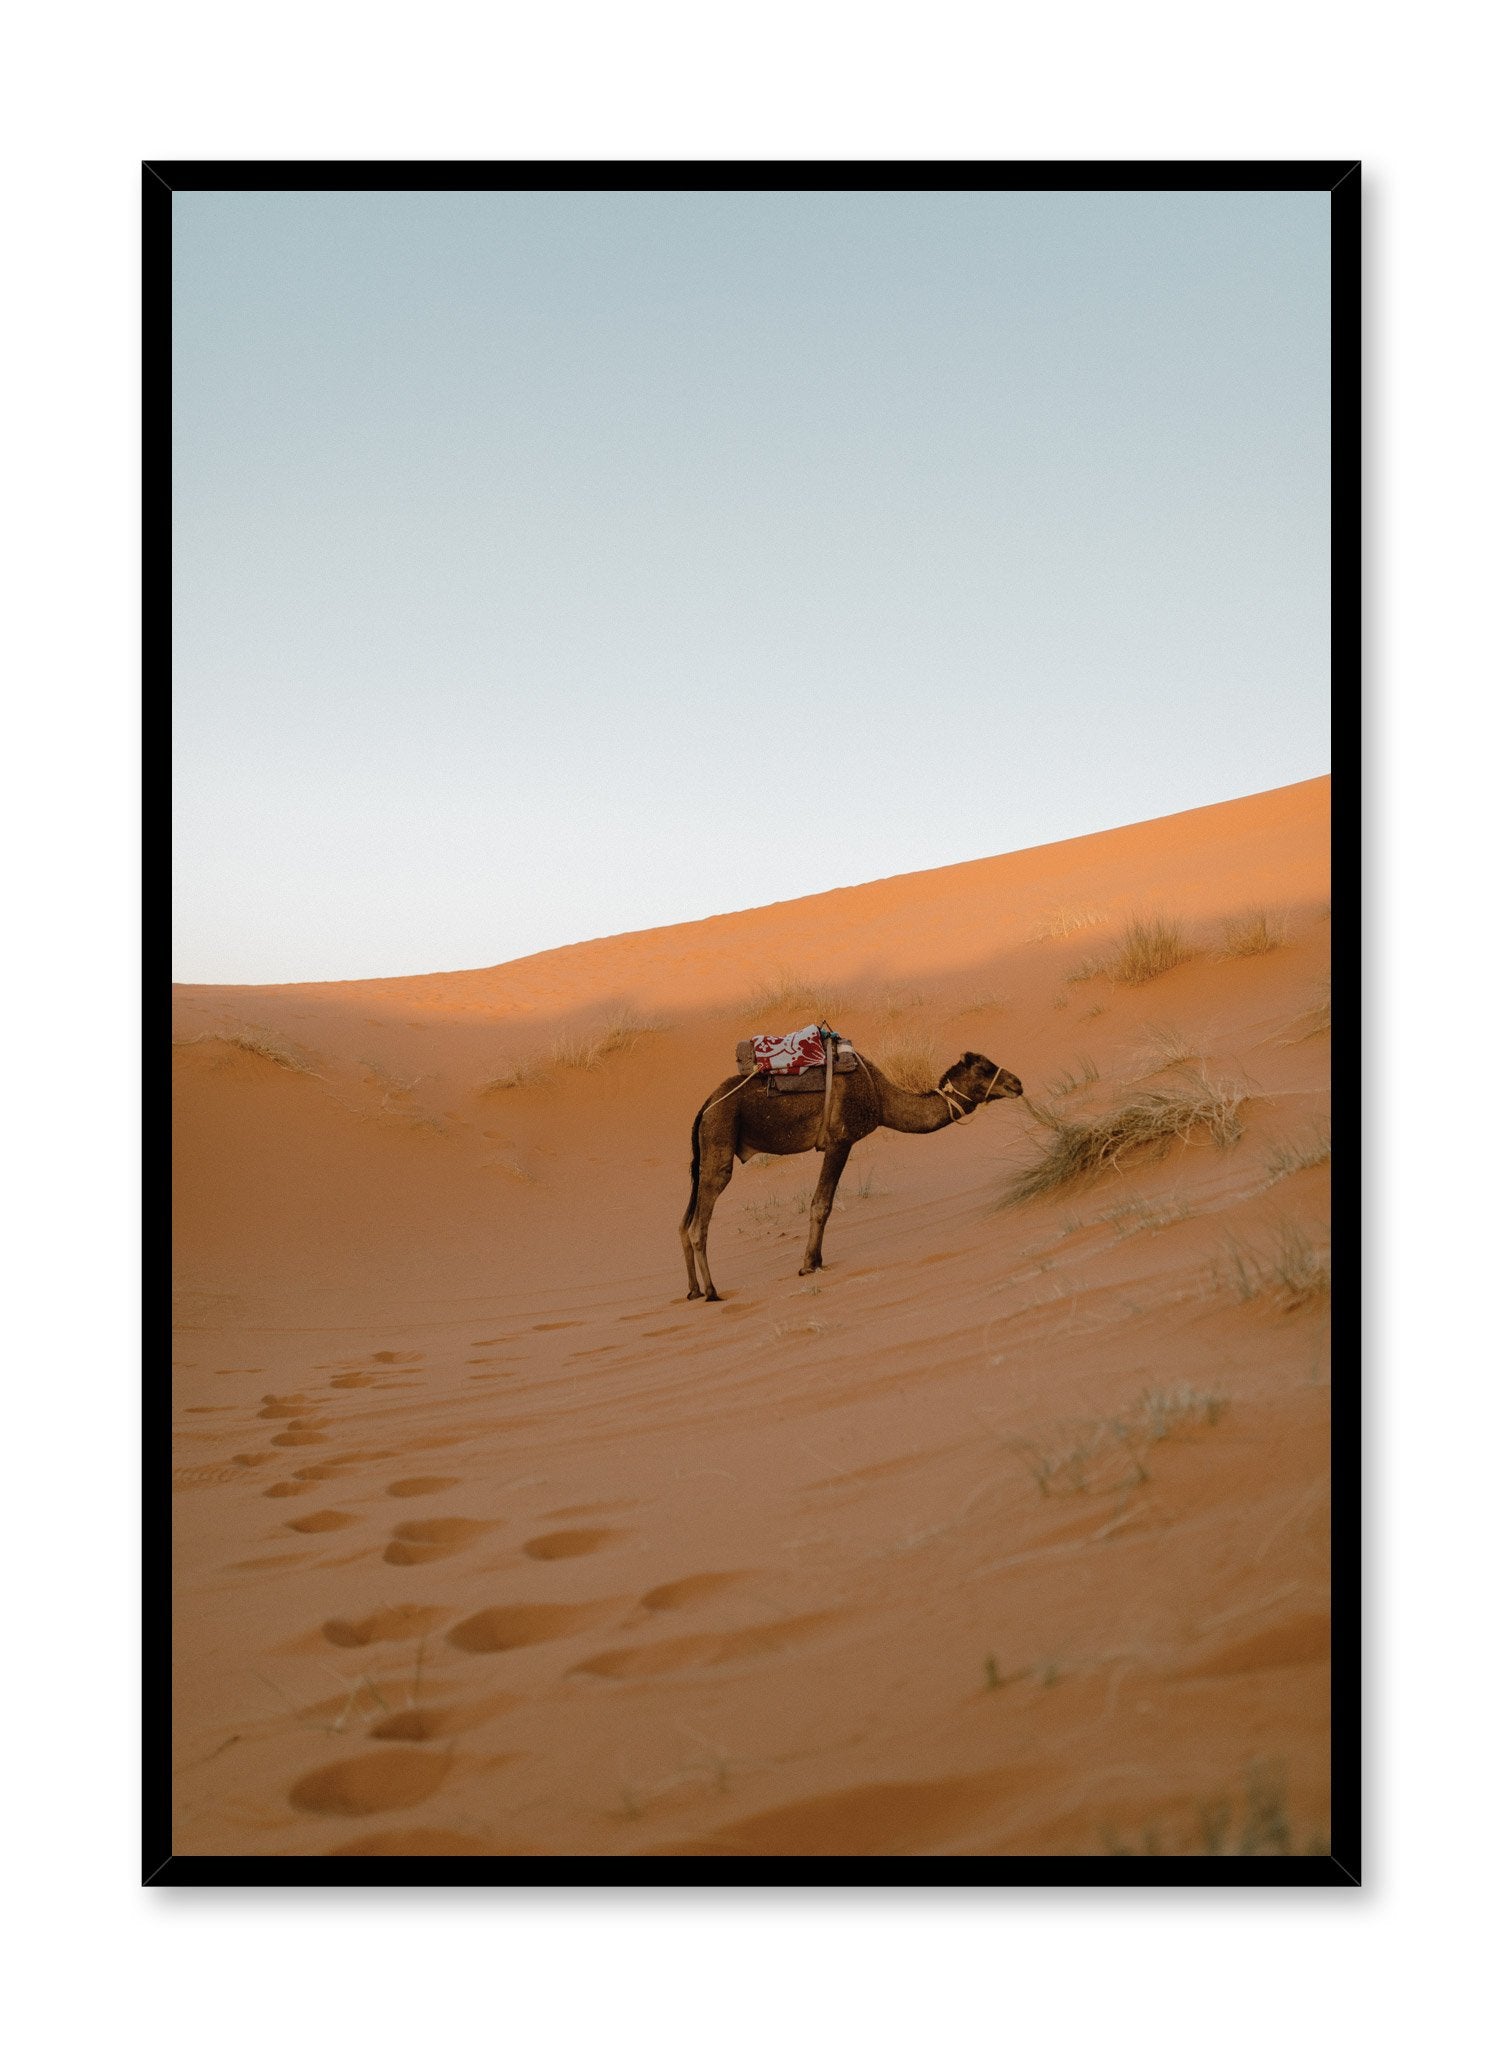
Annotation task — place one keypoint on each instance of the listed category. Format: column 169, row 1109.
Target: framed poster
column 755, row 1167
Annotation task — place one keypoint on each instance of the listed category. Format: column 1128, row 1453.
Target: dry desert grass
column 1297, row 1155
column 1201, row 1108
column 1254, row 932
column 1149, row 946
column 1160, row 1049
column 1311, row 1022
column 512, row 1073
column 1292, row 1271
column 588, row 1046
column 911, row 1058
column 261, row 1044
column 1105, row 1456
column 797, row 997
column 1068, row 918
column 1256, row 1823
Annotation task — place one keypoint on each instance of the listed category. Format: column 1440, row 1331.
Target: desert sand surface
column 1007, row 1533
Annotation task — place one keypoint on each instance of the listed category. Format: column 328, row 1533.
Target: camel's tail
column 693, row 1170
column 694, row 1142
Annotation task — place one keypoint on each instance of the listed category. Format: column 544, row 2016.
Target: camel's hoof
column 692, row 1295
column 712, row 1295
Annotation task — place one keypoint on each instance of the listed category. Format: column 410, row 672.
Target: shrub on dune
column 1072, row 1149
column 259, row 1043
column 588, row 1047
column 910, row 1058
column 1149, row 947
column 1258, row 931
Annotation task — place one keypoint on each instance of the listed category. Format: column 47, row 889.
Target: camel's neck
column 904, row 1111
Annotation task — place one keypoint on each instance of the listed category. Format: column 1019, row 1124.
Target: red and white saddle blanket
column 792, row 1053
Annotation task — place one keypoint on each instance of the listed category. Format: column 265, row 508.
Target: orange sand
column 488, row 1541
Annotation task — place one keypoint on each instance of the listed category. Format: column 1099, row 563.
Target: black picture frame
column 1341, row 179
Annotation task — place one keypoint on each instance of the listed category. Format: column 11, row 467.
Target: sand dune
column 1006, row 1533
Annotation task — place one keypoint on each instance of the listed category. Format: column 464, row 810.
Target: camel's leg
column 824, row 1201
column 715, row 1163
column 688, row 1244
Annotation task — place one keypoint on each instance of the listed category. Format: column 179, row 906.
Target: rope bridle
column 961, row 1106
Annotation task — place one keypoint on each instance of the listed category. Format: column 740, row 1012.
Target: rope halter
column 960, row 1105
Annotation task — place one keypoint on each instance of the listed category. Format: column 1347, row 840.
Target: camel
column 742, row 1117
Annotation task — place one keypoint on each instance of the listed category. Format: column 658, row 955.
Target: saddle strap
column 831, row 1046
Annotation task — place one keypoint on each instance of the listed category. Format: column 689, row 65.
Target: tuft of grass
column 1201, row 1110
column 260, row 1043
column 796, row 995
column 1060, row 923
column 1298, row 1154
column 911, row 1058
column 1293, row 1271
column 868, row 1185
column 587, row 1048
column 1256, row 1823
column 1107, row 1456
column 1095, row 1457
column 1067, row 1082
column 1128, row 1218
column 1085, row 970
column 1163, row 1410
column 1148, row 947
column 512, row 1073
column 1256, row 931
column 1161, row 1048
column 397, row 1095
column 895, row 1002
column 1310, row 1023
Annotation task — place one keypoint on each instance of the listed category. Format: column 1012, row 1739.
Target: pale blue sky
column 554, row 565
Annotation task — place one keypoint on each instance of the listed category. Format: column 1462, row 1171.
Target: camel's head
column 976, row 1079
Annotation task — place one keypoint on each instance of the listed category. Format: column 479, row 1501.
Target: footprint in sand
column 424, row 1842
column 300, row 1434
column 424, row 1542
column 386, row 1625
column 517, row 1628
column 285, row 1487
column 398, row 1357
column 402, row 1489
column 277, row 1407
column 321, row 1522
column 570, row 1543
column 186, row 1477
column 589, row 1507
column 691, row 1591
column 372, row 1784
column 681, row 1653
column 426, row 1724
column 337, row 1468
column 413, row 1724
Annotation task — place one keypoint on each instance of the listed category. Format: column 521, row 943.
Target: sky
column 556, row 564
